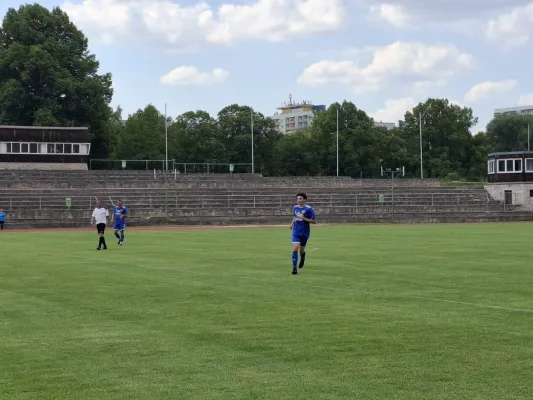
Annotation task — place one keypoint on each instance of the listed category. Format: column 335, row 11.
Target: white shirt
column 100, row 215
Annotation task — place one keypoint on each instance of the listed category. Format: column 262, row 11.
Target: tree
column 509, row 132
column 193, row 138
column 476, row 164
column 235, row 129
column 360, row 142
column 48, row 77
column 143, row 136
column 445, row 137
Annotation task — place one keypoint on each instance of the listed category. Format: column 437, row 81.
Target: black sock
column 103, row 242
column 100, row 242
column 302, row 260
column 117, row 235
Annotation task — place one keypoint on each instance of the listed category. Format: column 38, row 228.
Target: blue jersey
column 2, row 216
column 117, row 213
column 302, row 228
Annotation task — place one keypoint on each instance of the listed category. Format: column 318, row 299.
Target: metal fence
column 171, row 201
column 173, row 166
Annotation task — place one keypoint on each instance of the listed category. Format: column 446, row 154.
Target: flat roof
column 64, row 128
column 501, row 153
column 516, row 108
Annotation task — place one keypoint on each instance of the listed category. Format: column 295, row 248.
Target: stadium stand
column 38, row 199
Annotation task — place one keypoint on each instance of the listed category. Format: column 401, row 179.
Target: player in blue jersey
column 2, row 218
column 120, row 214
column 303, row 217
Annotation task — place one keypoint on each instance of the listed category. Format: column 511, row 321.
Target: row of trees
column 449, row 148
column 48, row 77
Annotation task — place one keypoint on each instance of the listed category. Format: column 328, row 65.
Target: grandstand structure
column 38, row 198
column 44, row 148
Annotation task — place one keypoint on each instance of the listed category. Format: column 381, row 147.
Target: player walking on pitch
column 99, row 218
column 303, row 216
column 120, row 213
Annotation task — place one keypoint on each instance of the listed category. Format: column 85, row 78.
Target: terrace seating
column 37, row 198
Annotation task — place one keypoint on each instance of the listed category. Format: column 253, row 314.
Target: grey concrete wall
column 468, row 217
column 520, row 193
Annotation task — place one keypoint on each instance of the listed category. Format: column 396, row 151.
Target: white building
column 295, row 116
column 387, row 125
column 522, row 110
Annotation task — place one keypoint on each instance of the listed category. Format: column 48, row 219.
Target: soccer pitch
column 378, row 312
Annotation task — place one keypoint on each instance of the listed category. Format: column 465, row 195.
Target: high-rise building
column 521, row 110
column 295, row 116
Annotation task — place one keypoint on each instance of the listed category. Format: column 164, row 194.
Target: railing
column 164, row 201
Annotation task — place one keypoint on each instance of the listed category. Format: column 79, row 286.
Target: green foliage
column 48, row 77
column 509, row 132
column 450, row 150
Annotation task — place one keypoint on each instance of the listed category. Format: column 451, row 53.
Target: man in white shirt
column 99, row 218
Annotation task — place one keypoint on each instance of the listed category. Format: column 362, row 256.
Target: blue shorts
column 119, row 227
column 301, row 239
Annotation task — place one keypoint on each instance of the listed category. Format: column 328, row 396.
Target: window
column 510, row 165
column 491, row 166
column 529, row 164
column 46, row 148
column 531, row 193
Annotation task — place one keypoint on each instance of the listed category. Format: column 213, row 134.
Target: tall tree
column 445, row 136
column 193, row 138
column 360, row 141
column 235, row 128
column 48, row 77
column 143, row 136
column 509, row 132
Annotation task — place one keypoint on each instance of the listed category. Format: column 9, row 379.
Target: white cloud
column 526, row 100
column 397, row 63
column 512, row 29
column 188, row 75
column 391, row 13
column 394, row 110
column 484, row 90
column 171, row 24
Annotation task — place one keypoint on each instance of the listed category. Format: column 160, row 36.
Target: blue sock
column 122, row 237
column 294, row 259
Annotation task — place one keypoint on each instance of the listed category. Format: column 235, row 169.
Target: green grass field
column 379, row 312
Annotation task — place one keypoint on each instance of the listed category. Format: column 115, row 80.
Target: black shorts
column 100, row 228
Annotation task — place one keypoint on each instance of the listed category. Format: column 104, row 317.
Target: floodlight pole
column 166, row 139
column 421, row 162
column 337, row 141
column 252, row 129
column 393, row 174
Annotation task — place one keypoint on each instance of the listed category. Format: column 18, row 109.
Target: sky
column 385, row 57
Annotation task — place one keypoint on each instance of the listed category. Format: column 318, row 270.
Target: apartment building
column 293, row 116
column 521, row 110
